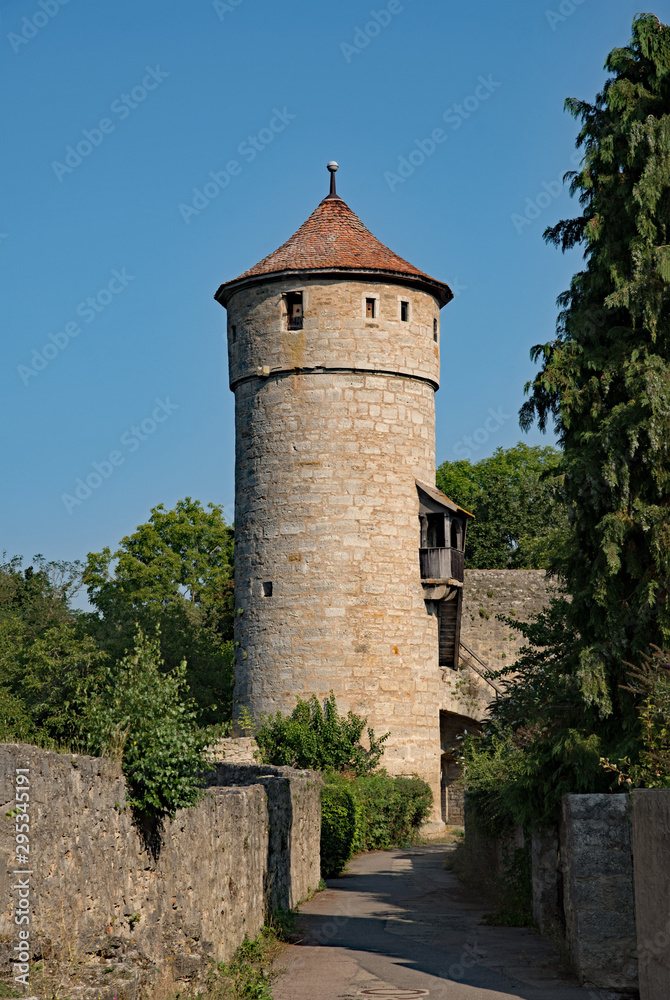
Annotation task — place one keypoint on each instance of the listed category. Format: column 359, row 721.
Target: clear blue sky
column 179, row 88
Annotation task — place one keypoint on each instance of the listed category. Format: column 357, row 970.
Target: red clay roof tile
column 334, row 238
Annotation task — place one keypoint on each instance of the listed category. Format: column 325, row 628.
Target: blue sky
column 106, row 264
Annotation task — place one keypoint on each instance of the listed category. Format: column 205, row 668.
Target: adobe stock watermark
column 31, row 26
column 470, row 956
column 470, row 443
column 88, row 310
column 121, row 107
column 565, row 10
column 371, row 29
column 223, row 7
column 454, row 116
column 22, row 871
column 548, row 193
column 249, row 148
column 129, row 441
column 457, row 288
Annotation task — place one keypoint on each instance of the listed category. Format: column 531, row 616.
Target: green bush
column 144, row 717
column 320, row 738
column 338, row 825
column 370, row 813
column 391, row 810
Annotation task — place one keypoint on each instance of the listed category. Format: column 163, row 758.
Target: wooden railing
column 457, row 565
column 441, row 564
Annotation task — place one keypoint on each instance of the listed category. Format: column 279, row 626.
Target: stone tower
column 348, row 561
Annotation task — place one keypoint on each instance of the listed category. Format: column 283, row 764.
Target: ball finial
column 332, row 166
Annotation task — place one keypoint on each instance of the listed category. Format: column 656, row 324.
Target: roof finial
column 332, row 166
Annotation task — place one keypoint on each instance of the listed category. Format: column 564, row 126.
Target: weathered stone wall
column 294, row 799
column 235, row 749
column 96, row 889
column 517, row 593
column 651, row 863
column 596, row 858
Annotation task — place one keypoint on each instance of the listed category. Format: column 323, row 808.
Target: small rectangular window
column 404, row 311
column 267, row 588
column 293, row 310
column 435, row 330
column 370, row 308
column 233, row 333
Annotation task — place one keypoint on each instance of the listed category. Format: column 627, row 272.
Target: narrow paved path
column 400, row 926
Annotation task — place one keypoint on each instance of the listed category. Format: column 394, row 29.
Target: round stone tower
column 333, row 348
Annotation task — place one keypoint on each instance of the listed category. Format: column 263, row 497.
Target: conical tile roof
column 333, row 238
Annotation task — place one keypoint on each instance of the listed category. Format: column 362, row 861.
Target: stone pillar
column 598, row 899
column 651, row 864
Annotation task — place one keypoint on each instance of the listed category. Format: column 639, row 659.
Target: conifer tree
column 605, row 378
column 583, row 697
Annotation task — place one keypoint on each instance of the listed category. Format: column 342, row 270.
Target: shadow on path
column 399, row 923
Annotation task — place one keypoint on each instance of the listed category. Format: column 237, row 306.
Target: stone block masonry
column 293, row 799
column 651, row 861
column 597, row 862
column 334, row 425
column 516, row 593
column 94, row 888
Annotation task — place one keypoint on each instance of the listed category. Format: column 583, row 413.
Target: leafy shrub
column 249, row 974
column 145, row 717
column 391, row 810
column 370, row 813
column 651, row 684
column 320, row 738
column 519, row 778
column 338, row 825
column 514, row 891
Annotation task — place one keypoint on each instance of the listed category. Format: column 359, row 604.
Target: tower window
column 293, row 310
column 267, row 588
column 435, row 330
column 370, row 308
column 233, row 333
column 404, row 311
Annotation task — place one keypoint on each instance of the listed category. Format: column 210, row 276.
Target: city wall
column 98, row 894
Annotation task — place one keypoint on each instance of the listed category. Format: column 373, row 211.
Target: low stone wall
column 96, row 889
column 597, row 863
column 294, row 803
column 651, row 864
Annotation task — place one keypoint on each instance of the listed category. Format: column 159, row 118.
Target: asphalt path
column 399, row 925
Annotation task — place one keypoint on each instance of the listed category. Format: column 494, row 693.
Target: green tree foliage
column 47, row 662
column 605, row 378
column 143, row 715
column 515, row 495
column 174, row 573
column 605, row 382
column 319, row 737
column 651, row 683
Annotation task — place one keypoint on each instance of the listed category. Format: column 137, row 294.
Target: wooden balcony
column 457, row 565
column 441, row 564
